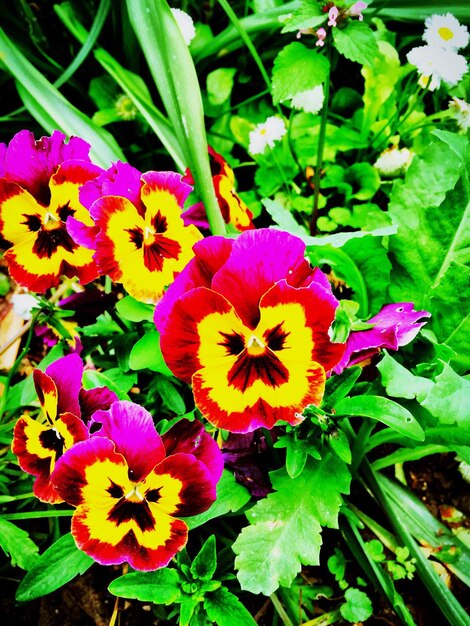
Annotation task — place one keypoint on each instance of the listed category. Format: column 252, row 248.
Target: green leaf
column 431, row 208
column 283, row 217
column 93, row 378
column 356, row 42
column 173, row 71
column 205, row 562
column 220, row 84
column 160, row 587
column 308, row 15
column 358, row 607
column 54, row 568
column 16, row 543
column 286, row 526
column 339, row 444
column 338, row 386
column 134, row 311
column 225, row 609
column 170, row 395
column 385, row 411
column 376, row 92
column 297, row 68
column 449, row 398
column 231, row 496
column 400, row 382
column 147, row 354
column 50, row 107
column 365, row 181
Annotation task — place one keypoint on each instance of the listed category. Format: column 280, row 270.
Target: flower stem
column 321, row 145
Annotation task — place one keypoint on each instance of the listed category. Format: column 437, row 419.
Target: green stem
column 12, row 372
column 359, row 445
column 280, row 610
column 324, row 620
column 321, row 145
column 37, row 514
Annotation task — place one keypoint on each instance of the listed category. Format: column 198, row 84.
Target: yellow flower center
column 149, row 234
column 263, row 131
column 50, row 221
column 134, row 495
column 255, row 346
column 445, row 33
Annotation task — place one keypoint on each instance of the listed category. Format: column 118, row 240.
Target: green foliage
column 285, row 530
column 358, row 607
column 17, row 544
column 296, row 69
column 356, row 42
column 59, row 564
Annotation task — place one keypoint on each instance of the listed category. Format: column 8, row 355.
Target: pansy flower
column 247, row 324
column 395, row 325
column 139, row 236
column 39, row 443
column 234, row 210
column 130, row 491
column 39, row 190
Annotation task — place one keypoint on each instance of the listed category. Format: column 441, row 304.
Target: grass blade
column 175, row 76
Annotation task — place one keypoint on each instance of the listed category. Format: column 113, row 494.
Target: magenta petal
column 196, row 215
column 133, row 433
column 191, row 438
column 211, row 253
column 31, row 163
column 67, row 375
column 98, row 399
column 260, row 258
column 395, row 325
column 3, row 151
column 168, row 181
column 121, row 179
column 83, row 235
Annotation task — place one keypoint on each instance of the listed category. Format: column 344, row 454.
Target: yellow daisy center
column 445, row 33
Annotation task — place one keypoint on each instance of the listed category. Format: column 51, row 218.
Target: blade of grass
column 398, row 516
column 175, row 76
column 129, row 84
column 50, row 107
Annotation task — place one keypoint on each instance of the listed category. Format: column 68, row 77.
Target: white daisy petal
column 186, row 24
column 439, row 64
column 393, row 162
column 266, row 134
column 310, row 101
column 446, row 32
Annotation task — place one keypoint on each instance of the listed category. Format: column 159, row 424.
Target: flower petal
column 191, row 438
column 66, row 373
column 132, row 430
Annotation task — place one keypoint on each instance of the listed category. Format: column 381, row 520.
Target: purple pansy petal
column 121, row 179
column 170, row 182
column 88, row 304
column 395, row 325
column 191, row 438
column 196, row 215
column 211, row 253
column 254, row 266
column 132, row 430
column 3, row 151
column 92, row 400
column 247, row 456
column 31, row 163
column 67, row 376
column 81, row 233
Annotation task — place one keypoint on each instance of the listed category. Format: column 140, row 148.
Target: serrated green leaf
column 356, row 42
column 400, row 382
column 432, row 247
column 283, row 217
column 286, row 526
column 308, row 15
column 383, row 410
column 134, row 311
column 449, row 398
column 159, row 587
column 147, row 354
column 16, row 544
column 54, row 568
column 297, row 68
column 205, row 562
column 358, row 606
column 231, row 496
column 225, row 609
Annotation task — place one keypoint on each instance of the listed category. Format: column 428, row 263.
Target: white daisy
column 310, row 101
column 445, row 31
column 439, row 64
column 186, row 24
column 266, row 134
column 23, row 304
column 461, row 112
column 393, row 162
